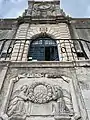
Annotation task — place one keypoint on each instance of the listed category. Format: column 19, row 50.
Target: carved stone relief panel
column 50, row 96
column 44, row 9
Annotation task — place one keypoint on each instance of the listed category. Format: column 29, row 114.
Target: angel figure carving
column 19, row 103
column 63, row 104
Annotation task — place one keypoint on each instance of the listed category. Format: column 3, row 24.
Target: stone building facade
column 45, row 65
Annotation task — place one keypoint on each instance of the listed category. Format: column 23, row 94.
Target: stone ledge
column 62, row 118
column 47, row 64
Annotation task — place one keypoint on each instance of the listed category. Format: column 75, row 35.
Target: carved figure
column 18, row 104
column 68, row 102
column 63, row 104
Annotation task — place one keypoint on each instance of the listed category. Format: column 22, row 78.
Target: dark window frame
column 43, row 43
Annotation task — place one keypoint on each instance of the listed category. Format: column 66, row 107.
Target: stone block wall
column 78, row 72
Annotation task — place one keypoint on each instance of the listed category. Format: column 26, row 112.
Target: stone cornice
column 46, row 64
column 42, row 20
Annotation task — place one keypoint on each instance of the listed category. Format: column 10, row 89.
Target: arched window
column 43, row 49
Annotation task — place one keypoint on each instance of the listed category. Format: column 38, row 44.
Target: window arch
column 43, row 49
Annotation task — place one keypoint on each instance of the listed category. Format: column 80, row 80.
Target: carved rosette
column 44, row 95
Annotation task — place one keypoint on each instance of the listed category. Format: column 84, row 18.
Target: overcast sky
column 74, row 8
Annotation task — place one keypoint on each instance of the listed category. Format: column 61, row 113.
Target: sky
column 73, row 8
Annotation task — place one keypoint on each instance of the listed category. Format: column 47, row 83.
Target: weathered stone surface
column 48, row 90
column 35, row 74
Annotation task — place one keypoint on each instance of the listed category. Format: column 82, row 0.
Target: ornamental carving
column 39, row 93
column 44, row 92
column 39, row 75
column 43, row 95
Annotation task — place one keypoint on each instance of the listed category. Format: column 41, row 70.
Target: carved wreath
column 41, row 98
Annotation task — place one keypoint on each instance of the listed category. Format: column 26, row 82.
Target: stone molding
column 46, row 64
column 54, row 64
